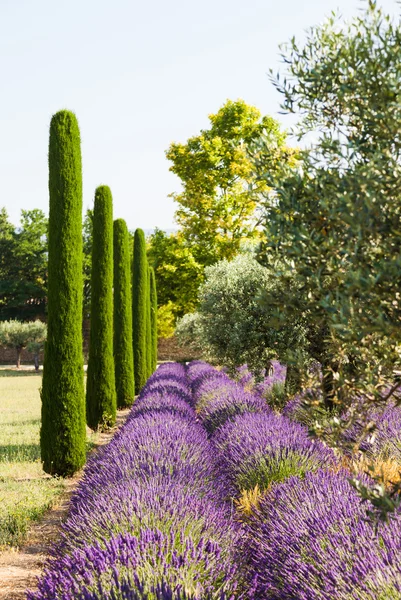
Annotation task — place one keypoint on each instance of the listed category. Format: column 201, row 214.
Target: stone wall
column 168, row 349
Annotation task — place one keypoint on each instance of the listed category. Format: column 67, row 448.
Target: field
column 26, row 492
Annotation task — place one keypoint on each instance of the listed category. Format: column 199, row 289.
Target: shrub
column 260, row 449
column 63, row 434
column 101, row 386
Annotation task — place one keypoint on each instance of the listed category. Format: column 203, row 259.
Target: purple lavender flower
column 149, row 518
column 118, row 567
column 261, row 448
column 310, row 540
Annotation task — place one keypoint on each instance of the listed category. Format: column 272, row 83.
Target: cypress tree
column 153, row 314
column 139, row 309
column 100, row 386
column 149, row 357
column 63, row 432
column 123, row 351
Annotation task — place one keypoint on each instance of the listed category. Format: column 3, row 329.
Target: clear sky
column 138, row 75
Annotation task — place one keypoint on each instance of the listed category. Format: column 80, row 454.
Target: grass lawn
column 26, row 492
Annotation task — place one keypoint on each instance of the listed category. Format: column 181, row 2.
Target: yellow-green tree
column 217, row 205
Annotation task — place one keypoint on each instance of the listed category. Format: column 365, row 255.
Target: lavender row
column 308, row 536
column 149, row 519
column 256, row 446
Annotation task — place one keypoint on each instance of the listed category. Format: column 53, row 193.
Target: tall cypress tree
column 149, row 357
column 100, row 387
column 139, row 309
column 123, row 351
column 63, row 433
column 153, row 315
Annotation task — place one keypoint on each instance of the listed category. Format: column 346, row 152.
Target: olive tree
column 233, row 326
column 19, row 335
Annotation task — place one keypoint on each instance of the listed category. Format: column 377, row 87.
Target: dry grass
column 249, row 501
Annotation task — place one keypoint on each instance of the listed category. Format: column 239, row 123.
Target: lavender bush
column 310, row 540
column 259, row 449
column 218, row 398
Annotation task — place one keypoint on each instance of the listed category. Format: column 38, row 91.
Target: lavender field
column 209, row 493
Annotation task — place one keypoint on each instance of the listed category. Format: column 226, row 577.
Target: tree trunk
column 36, row 360
column 19, row 350
column 329, row 391
column 293, row 379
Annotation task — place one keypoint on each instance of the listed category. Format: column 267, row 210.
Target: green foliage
column 123, row 351
column 165, row 320
column 63, row 433
column 149, row 360
column 87, row 234
column 23, row 266
column 233, row 326
column 100, row 386
column 17, row 335
column 190, row 333
column 337, row 222
column 140, row 295
column 178, row 274
column 153, row 316
column 218, row 202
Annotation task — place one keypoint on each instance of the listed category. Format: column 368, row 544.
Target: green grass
column 26, row 492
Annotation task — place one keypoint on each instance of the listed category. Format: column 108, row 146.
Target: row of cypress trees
column 123, row 331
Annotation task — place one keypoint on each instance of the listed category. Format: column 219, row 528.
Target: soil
column 19, row 568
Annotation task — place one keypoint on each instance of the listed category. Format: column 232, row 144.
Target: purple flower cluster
column 385, row 440
column 276, row 377
column 262, row 448
column 149, row 519
column 310, row 540
column 218, row 398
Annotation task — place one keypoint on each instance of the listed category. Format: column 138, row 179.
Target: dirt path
column 20, row 568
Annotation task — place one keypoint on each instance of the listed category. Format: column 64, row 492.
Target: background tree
column 87, row 233
column 19, row 335
column 153, row 315
column 178, row 274
column 23, row 266
column 63, row 433
column 123, row 352
column 139, row 309
column 217, row 207
column 101, row 386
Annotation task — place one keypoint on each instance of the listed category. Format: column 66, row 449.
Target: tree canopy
column 217, row 205
column 23, row 266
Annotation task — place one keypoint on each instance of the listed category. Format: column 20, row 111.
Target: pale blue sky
column 138, row 75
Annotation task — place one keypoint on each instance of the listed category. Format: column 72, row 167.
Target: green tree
column 23, row 267
column 153, row 305
column 87, row 233
column 178, row 274
column 149, row 359
column 19, row 335
column 338, row 220
column 123, row 351
column 139, row 309
column 101, row 386
column 217, row 206
column 63, row 432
